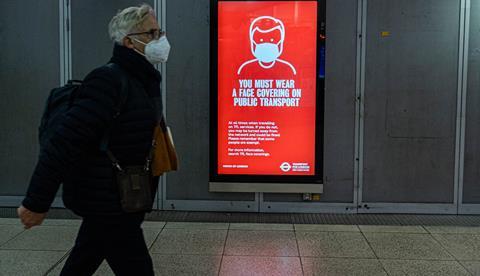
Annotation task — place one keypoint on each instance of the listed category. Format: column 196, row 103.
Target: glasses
column 153, row 33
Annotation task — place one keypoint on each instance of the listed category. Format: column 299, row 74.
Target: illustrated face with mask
column 267, row 36
column 154, row 47
column 267, row 45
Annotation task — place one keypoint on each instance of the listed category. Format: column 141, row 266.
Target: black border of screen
column 320, row 96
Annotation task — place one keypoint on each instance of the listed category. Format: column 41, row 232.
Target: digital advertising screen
column 268, row 78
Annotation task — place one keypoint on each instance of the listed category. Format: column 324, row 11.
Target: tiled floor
column 179, row 248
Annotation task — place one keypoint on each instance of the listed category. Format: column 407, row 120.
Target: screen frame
column 319, row 108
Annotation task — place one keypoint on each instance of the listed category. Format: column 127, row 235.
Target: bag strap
column 121, row 102
column 114, row 160
column 75, row 92
column 124, row 86
column 150, row 156
column 106, row 136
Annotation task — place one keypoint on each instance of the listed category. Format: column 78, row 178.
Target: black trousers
column 119, row 240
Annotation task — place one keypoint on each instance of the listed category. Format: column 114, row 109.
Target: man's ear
column 127, row 42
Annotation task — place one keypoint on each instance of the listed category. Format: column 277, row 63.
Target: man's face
column 148, row 25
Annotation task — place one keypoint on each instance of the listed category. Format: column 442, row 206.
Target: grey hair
column 127, row 21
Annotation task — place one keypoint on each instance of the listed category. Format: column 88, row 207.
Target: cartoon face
column 274, row 36
column 266, row 37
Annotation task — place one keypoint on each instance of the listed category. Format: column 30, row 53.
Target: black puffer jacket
column 73, row 154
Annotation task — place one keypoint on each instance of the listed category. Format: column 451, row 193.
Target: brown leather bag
column 164, row 156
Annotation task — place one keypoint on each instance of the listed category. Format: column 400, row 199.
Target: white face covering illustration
column 266, row 53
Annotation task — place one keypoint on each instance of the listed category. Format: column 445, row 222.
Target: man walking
column 73, row 154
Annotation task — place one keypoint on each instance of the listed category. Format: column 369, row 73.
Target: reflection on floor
column 196, row 248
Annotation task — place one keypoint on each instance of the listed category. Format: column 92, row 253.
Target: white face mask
column 156, row 51
column 266, row 52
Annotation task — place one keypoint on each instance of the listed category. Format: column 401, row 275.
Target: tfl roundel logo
column 285, row 167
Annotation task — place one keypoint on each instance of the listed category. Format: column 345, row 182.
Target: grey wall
column 339, row 120
column 188, row 102
column 410, row 95
column 471, row 189
column 91, row 44
column 188, row 96
column 29, row 68
column 410, row 101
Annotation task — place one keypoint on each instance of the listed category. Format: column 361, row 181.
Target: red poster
column 267, row 53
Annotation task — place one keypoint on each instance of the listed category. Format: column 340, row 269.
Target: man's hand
column 29, row 218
